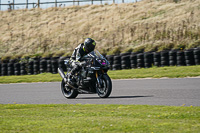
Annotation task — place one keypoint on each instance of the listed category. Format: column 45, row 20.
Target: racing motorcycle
column 91, row 79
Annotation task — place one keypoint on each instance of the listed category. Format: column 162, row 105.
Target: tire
column 124, row 54
column 17, row 73
column 42, row 70
column 110, row 67
column 12, row 61
column 49, row 69
column 164, row 58
column 180, row 58
column 148, row 58
column 125, row 63
column 196, row 51
column 148, row 61
column 133, row 61
column 67, row 91
column 16, row 66
column 172, row 57
column 48, row 62
column 105, row 91
column 30, row 68
column 11, row 69
column 157, row 59
column 189, row 57
column 49, row 66
column 196, row 56
column 133, row 66
column 172, row 53
column 164, row 63
column 147, row 65
column 10, row 73
column 140, row 56
column 125, row 66
column 180, row 63
column 117, row 62
column 172, row 63
column 35, row 68
column 117, row 58
column 54, row 66
column 126, row 58
column 157, row 64
column 30, row 72
column 180, row 53
column 4, row 69
column 4, row 73
column 156, row 55
column 133, row 57
column 36, row 62
column 22, row 72
column 0, row 67
column 140, row 62
column 140, row 65
column 116, row 67
column 109, row 57
column 197, row 61
column 4, row 65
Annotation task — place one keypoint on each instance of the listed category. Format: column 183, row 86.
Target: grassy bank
column 155, row 72
column 146, row 25
column 98, row 118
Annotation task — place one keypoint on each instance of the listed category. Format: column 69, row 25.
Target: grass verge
column 98, row 118
column 154, row 72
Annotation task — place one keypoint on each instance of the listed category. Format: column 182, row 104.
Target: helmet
column 89, row 44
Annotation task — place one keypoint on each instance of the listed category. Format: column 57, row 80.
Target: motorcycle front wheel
column 67, row 91
column 106, row 88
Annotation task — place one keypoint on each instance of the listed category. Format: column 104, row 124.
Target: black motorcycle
column 92, row 78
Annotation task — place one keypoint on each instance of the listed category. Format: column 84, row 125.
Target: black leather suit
column 76, row 57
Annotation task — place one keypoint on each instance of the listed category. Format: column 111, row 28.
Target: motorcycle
column 91, row 79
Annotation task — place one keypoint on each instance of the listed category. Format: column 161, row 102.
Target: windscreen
column 96, row 54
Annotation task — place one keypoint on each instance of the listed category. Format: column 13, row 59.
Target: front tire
column 106, row 88
column 67, row 91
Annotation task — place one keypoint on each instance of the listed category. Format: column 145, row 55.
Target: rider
column 75, row 60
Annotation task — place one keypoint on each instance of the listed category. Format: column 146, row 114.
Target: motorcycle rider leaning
column 80, row 51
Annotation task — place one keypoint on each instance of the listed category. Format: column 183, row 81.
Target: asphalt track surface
column 173, row 92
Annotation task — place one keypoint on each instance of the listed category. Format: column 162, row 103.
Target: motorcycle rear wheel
column 67, row 91
column 106, row 88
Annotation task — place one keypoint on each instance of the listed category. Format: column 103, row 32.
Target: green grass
column 99, row 118
column 154, row 72
column 157, row 72
column 44, row 77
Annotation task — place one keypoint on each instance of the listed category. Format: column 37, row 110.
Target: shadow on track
column 114, row 97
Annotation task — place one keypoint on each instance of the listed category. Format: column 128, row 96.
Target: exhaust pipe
column 61, row 72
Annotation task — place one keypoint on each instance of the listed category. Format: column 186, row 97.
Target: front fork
column 99, row 80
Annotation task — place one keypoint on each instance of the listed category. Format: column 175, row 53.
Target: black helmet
column 89, row 44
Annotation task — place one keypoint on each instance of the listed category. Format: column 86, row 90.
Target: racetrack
column 175, row 92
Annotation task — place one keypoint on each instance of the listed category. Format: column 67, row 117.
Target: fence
column 56, row 3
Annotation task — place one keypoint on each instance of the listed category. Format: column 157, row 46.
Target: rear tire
column 67, row 91
column 105, row 91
